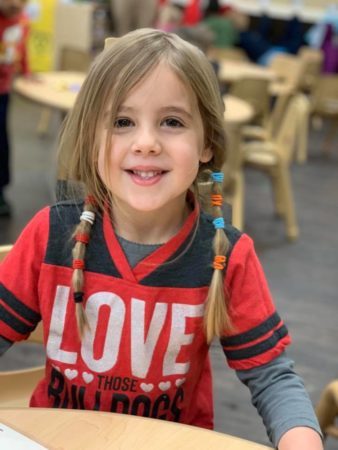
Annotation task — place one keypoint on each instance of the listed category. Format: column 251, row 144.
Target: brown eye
column 123, row 123
column 173, row 123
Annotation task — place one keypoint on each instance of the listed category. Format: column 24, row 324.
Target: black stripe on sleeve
column 258, row 349
column 255, row 333
column 16, row 305
column 14, row 322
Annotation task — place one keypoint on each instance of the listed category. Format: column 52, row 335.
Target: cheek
column 104, row 165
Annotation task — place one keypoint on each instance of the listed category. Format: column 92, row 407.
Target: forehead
column 161, row 84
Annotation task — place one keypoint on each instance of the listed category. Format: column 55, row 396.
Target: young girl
column 133, row 283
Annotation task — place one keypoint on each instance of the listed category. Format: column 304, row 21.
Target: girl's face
column 156, row 147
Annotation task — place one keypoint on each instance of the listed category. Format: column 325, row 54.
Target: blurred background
column 277, row 65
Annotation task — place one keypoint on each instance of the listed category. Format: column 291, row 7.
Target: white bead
column 88, row 216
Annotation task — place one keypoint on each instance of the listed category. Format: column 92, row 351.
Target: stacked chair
column 324, row 104
column 271, row 151
column 327, row 409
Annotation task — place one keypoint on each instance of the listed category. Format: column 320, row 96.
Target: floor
column 303, row 275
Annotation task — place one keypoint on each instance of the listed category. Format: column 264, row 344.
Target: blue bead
column 218, row 223
column 218, row 177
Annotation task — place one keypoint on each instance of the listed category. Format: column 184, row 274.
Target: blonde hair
column 112, row 75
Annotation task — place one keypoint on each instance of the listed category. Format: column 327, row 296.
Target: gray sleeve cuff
column 5, row 344
column 280, row 397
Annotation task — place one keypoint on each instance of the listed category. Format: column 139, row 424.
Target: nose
column 146, row 142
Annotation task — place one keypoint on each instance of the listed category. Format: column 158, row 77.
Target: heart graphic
column 147, row 387
column 179, row 382
column 88, row 377
column 71, row 373
column 164, row 386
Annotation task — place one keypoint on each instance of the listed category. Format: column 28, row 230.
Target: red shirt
column 13, row 52
column 145, row 352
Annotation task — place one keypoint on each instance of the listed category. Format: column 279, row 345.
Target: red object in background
column 226, row 9
column 192, row 13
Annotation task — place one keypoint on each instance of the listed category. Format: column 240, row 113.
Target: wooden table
column 63, row 429
column 237, row 111
column 230, row 71
column 57, row 90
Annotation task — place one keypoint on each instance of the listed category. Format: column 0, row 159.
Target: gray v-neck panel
column 134, row 251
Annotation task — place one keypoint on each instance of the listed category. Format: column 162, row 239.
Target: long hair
column 111, row 77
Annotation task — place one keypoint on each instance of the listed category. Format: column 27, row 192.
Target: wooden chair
column 327, row 409
column 312, row 61
column 4, row 250
column 273, row 156
column 289, row 71
column 269, row 128
column 324, row 104
column 16, row 386
column 255, row 91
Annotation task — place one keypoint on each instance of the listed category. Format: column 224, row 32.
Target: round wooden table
column 65, row 429
column 57, row 90
column 230, row 71
column 237, row 111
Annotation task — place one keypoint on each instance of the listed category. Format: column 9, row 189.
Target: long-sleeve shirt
column 145, row 352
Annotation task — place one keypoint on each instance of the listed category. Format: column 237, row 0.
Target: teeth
column 146, row 175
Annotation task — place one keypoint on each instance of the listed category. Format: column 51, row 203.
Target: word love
column 129, row 331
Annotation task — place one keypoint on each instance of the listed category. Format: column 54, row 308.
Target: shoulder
column 64, row 217
column 66, row 213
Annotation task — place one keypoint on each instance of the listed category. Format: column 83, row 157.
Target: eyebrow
column 165, row 109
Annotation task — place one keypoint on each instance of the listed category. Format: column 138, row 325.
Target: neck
column 149, row 227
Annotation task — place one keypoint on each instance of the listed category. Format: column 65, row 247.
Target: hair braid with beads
column 216, row 317
column 81, row 236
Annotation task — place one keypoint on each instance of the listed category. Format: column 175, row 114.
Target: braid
column 216, row 317
column 81, row 235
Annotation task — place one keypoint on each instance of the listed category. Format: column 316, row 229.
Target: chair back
column 289, row 69
column 17, row 386
column 324, row 100
column 312, row 60
column 4, row 250
column 255, row 91
column 276, row 114
column 286, row 134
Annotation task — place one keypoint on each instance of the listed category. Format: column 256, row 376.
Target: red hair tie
column 216, row 199
column 78, row 264
column 82, row 237
column 219, row 262
column 90, row 200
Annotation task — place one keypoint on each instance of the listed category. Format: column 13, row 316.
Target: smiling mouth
column 147, row 174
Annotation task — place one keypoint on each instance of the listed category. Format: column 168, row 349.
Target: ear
column 206, row 155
